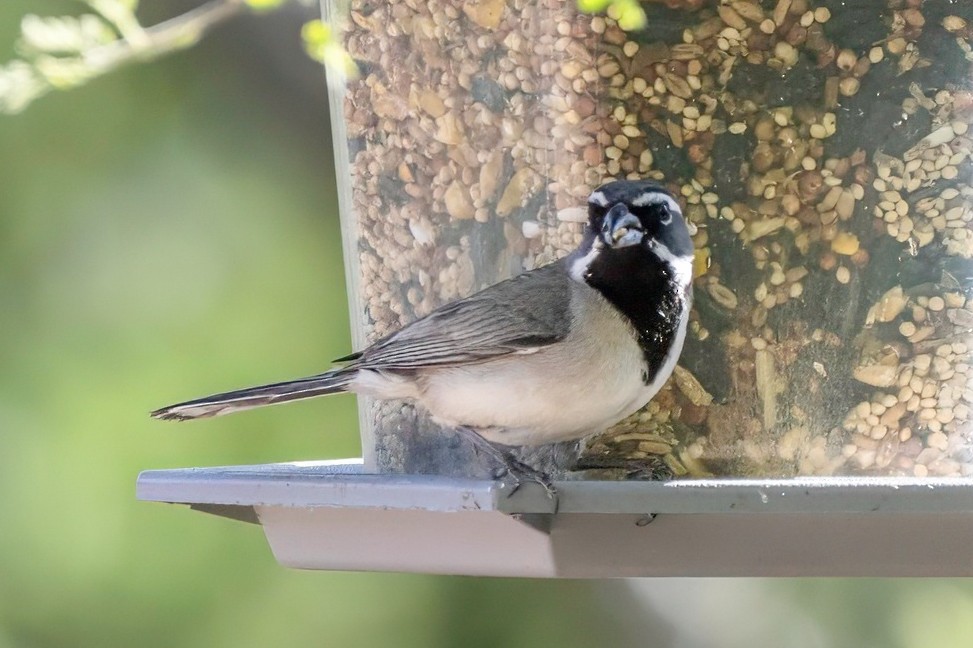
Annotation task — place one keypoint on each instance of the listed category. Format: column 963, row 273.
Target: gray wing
column 526, row 312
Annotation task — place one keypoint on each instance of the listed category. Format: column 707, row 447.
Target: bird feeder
column 819, row 422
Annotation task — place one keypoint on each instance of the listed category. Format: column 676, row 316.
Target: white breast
column 563, row 391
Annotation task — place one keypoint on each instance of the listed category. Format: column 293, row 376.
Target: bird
column 554, row 354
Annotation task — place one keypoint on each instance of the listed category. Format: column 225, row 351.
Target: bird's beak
column 621, row 228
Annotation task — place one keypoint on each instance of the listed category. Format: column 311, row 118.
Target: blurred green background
column 172, row 230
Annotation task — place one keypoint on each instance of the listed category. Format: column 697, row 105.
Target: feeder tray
column 332, row 515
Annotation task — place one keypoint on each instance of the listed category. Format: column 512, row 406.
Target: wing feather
column 518, row 315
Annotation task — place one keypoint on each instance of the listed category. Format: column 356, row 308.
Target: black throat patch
column 645, row 290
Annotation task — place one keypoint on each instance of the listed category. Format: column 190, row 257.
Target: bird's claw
column 519, row 472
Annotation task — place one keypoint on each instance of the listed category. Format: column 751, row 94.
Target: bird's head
column 634, row 224
column 638, row 213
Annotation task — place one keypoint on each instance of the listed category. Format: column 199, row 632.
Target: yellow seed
column 701, row 262
column 954, row 23
column 849, row 86
column 896, row 46
column 786, row 53
column 845, row 243
column 646, row 159
column 846, row 60
column 731, row 17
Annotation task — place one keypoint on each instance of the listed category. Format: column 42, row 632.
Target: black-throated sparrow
column 554, row 354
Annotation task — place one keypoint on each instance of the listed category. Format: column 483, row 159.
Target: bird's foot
column 510, row 466
column 520, row 472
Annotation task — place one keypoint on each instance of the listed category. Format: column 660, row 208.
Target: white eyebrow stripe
column 657, row 198
column 598, row 198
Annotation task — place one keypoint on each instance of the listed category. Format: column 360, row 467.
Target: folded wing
column 519, row 315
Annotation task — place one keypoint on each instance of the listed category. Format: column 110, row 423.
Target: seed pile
column 822, row 155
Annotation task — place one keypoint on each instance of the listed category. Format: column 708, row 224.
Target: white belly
column 561, row 392
column 564, row 391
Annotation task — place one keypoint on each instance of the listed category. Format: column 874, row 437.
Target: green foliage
column 264, row 5
column 171, row 232
column 62, row 36
column 66, row 51
column 321, row 45
column 628, row 13
column 63, row 52
column 52, row 51
column 167, row 234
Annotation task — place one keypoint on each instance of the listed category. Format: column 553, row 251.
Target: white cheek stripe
column 682, row 266
column 672, row 358
column 580, row 265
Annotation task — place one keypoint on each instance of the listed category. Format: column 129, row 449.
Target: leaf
column 316, row 35
column 320, row 44
column 61, row 72
column 64, row 35
column 593, row 6
column 264, row 5
column 119, row 5
column 631, row 16
column 628, row 13
column 19, row 86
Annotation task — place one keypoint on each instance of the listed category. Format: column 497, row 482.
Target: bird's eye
column 596, row 215
column 665, row 216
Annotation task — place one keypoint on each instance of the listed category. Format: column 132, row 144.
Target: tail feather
column 331, row 382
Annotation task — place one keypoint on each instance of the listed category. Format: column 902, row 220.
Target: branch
column 47, row 69
column 177, row 33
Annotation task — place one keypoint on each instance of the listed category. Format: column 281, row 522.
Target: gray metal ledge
column 330, row 515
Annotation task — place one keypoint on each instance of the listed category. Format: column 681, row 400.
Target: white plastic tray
column 330, row 515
